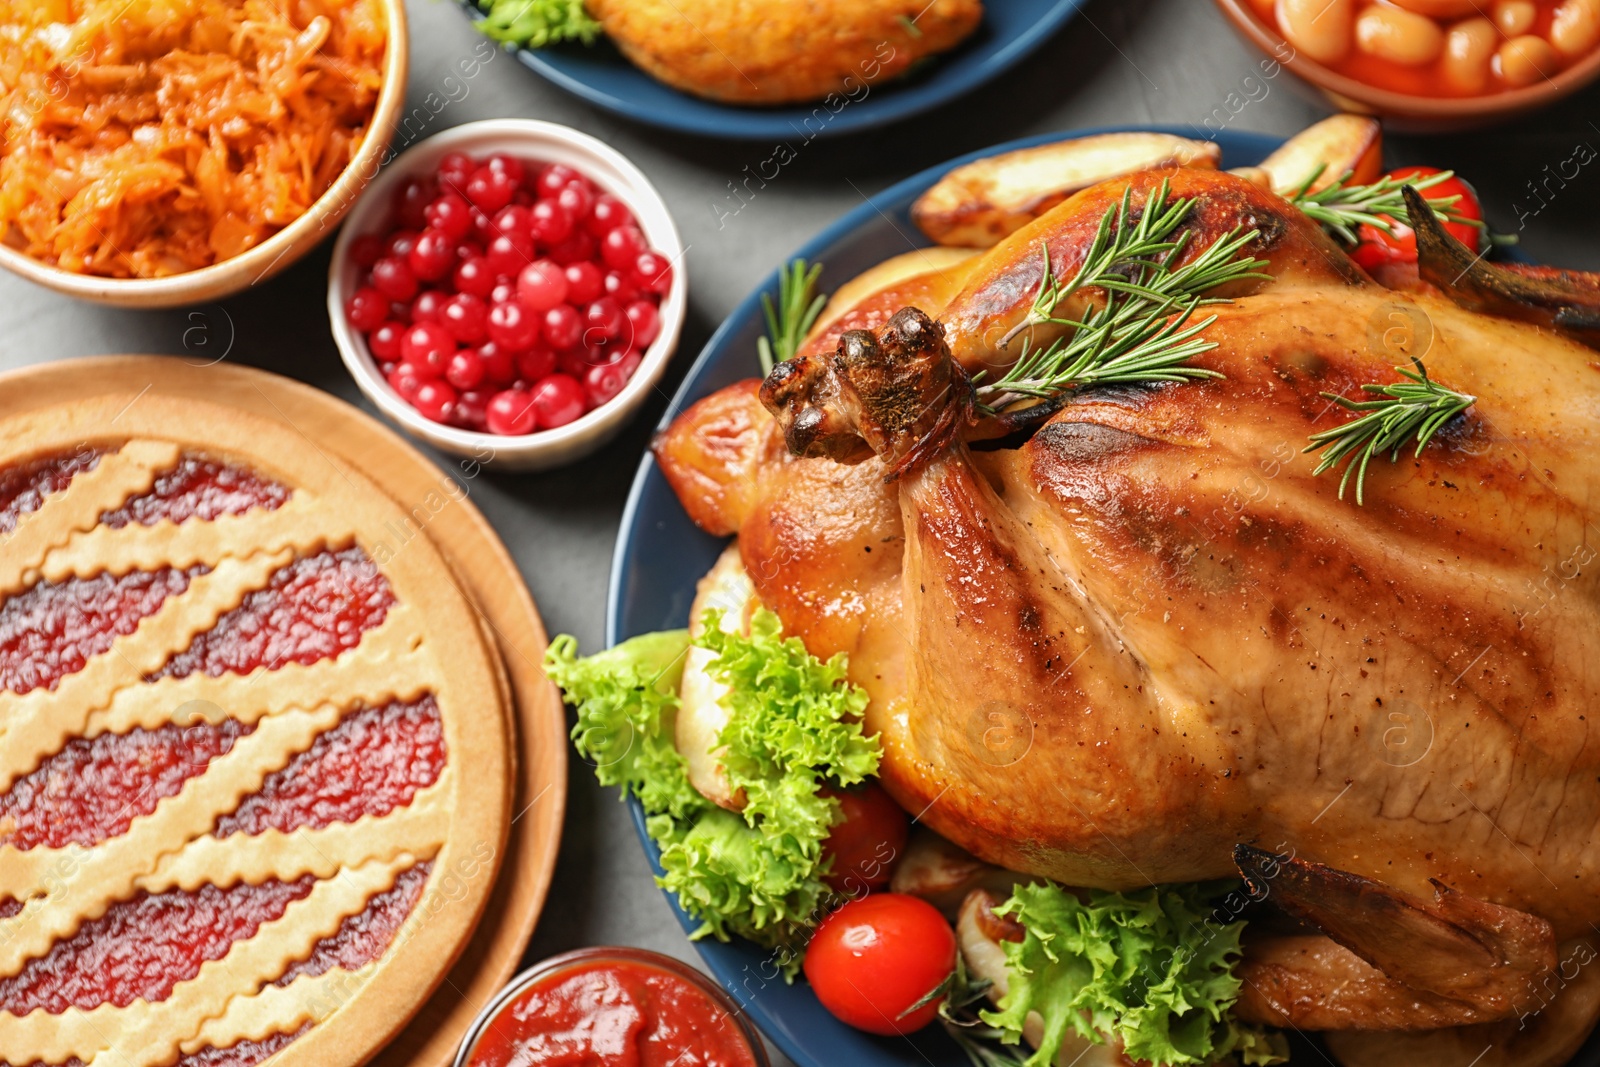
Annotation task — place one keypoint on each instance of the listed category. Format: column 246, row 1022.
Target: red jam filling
column 140, row 948
column 199, row 488
column 373, row 762
column 311, row 610
column 23, row 487
column 363, row 938
column 93, row 789
column 619, row 1013
column 53, row 628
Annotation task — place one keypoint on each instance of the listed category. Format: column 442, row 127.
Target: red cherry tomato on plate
column 866, row 841
column 875, row 957
column 1377, row 248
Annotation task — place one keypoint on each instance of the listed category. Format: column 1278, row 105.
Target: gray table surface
column 1120, row 62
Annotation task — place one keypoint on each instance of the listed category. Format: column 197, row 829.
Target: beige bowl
column 276, row 252
column 1423, row 113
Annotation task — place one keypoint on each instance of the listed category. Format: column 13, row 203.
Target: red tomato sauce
column 612, row 1013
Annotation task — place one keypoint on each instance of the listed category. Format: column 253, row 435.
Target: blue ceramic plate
column 1011, row 29
column 661, row 555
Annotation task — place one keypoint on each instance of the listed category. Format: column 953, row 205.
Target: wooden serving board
column 488, row 576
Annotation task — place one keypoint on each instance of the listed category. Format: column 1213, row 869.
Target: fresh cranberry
column 553, row 179
column 470, row 409
column 645, row 321
column 562, row 326
column 469, row 249
column 392, row 277
column 509, row 252
column 406, row 379
column 482, row 227
column 499, row 364
column 465, row 369
column 542, row 285
column 620, row 247
column 536, row 363
column 557, row 400
column 427, row 305
column 510, row 413
column 401, row 242
column 454, row 170
column 466, row 317
column 603, row 320
column 450, row 214
column 577, row 199
column 513, row 217
column 474, row 276
column 604, row 382
column 400, row 311
column 607, row 214
column 433, row 256
column 619, row 286
column 367, row 309
column 585, row 283
column 504, row 290
column 510, row 166
column 434, row 399
column 489, row 189
column 385, row 341
column 428, row 347
column 653, row 272
column 579, row 247
column 512, row 326
column 411, row 203
column 367, row 249
column 549, row 222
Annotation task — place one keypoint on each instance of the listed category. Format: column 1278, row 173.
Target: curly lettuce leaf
column 1151, row 968
column 537, row 23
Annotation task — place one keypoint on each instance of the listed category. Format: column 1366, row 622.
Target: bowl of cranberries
column 509, row 290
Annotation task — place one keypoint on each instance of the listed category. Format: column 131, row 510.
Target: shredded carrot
column 143, row 138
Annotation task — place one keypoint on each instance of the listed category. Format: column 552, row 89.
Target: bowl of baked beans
column 1430, row 63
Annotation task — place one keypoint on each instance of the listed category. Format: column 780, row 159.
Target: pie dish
column 239, row 689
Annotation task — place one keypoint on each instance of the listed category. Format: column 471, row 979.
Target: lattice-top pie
column 254, row 760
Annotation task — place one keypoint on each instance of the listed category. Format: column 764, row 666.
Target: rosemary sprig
column 1416, row 408
column 1342, row 207
column 1143, row 331
column 959, row 1017
column 797, row 309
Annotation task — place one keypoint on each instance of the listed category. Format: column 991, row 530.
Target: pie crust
column 429, row 641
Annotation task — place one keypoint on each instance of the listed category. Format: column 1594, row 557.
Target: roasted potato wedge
column 978, row 205
column 1341, row 144
column 889, row 273
column 701, row 713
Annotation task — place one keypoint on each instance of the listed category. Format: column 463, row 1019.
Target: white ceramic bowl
column 532, row 140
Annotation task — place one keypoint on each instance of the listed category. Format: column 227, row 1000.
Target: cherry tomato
column 865, row 842
column 875, row 957
column 1377, row 248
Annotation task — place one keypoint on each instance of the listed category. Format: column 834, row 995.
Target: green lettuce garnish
column 537, row 23
column 1150, row 967
column 794, row 726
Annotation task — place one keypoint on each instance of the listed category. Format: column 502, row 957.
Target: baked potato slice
column 1338, row 145
column 978, row 205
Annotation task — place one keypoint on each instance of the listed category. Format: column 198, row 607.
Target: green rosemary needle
column 1144, row 331
column 1417, row 407
column 797, row 309
column 1342, row 207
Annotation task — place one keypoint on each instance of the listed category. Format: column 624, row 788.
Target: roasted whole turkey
column 1130, row 638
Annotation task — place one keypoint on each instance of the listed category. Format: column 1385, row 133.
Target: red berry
column 427, row 305
column 367, row 309
column 470, row 409
column 536, row 363
column 466, row 317
column 433, row 256
column 411, row 203
column 510, row 166
column 619, row 286
column 406, row 379
column 557, row 400
column 427, row 347
column 455, row 169
column 469, row 249
column 504, row 290
column 465, row 369
column 553, row 179
column 542, row 285
column 620, row 247
column 509, row 252
column 575, row 362
column 645, row 321
column 482, row 227
column 579, row 247
column 367, row 249
column 512, row 326
column 603, row 320
column 385, row 341
column 513, row 218
column 450, row 214
column 433, row 399
column 392, row 277
column 562, row 326
column 400, row 311
column 400, row 243
column 607, row 214
column 605, row 381
column 577, row 198
column 653, row 272
column 474, row 276
column 499, row 364
column 549, row 222
column 585, row 283
column 490, row 190
column 510, row 413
